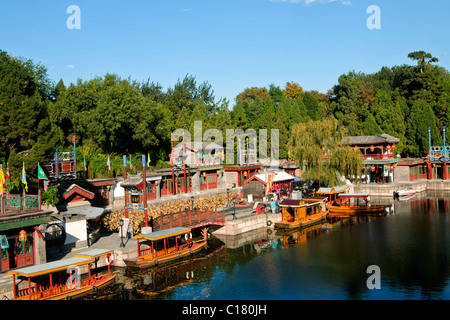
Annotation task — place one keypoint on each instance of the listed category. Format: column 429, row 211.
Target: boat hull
column 149, row 260
column 356, row 210
column 301, row 224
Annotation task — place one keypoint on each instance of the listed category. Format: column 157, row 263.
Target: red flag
column 8, row 176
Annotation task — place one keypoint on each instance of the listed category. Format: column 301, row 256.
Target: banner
column 24, row 178
column 42, row 176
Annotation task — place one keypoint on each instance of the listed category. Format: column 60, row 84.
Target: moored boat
column 405, row 192
column 354, row 204
column 163, row 246
column 62, row 279
column 302, row 213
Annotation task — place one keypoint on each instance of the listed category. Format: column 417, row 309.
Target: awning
column 50, row 267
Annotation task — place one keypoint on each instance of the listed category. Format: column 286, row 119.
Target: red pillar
column 144, row 177
column 124, row 161
column 430, row 172
column 445, row 170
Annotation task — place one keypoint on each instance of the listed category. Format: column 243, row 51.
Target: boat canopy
column 333, row 190
column 50, row 267
column 301, row 203
column 347, row 195
column 93, row 253
column 158, row 235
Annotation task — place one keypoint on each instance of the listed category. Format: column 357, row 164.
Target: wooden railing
column 42, row 291
column 165, row 252
column 17, row 202
column 188, row 218
column 378, row 157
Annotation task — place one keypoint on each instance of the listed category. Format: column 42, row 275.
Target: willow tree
column 319, row 145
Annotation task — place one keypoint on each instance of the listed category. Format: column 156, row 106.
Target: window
column 134, row 198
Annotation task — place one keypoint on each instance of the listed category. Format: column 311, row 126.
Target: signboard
column 4, row 242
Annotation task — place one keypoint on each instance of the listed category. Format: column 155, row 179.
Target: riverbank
column 112, row 241
column 387, row 190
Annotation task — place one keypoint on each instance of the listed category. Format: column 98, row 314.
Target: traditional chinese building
column 378, row 155
column 22, row 223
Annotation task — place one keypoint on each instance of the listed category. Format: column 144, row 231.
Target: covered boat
column 354, row 204
column 62, row 279
column 302, row 213
column 164, row 246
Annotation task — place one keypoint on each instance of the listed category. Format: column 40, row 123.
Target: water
column 410, row 246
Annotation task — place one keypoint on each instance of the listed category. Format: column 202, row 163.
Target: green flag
column 42, row 176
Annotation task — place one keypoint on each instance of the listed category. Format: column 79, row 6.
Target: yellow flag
column 24, row 178
column 2, row 181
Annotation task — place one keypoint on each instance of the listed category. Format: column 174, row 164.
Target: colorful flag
column 84, row 160
column 42, row 176
column 24, row 178
column 148, row 161
column 2, row 181
column 131, row 166
column 108, row 164
column 269, row 182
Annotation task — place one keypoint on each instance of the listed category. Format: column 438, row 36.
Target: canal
column 410, row 246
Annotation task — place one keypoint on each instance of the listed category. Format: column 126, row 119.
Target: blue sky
column 232, row 44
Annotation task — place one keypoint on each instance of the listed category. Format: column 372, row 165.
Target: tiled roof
column 373, row 139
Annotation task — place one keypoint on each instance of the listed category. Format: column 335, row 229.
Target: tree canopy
column 114, row 116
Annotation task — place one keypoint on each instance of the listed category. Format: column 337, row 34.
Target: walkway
column 108, row 241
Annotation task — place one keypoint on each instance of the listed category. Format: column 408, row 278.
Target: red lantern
column 372, row 168
column 389, row 167
column 372, row 148
column 393, row 147
column 388, row 147
column 394, row 165
column 356, row 148
column 22, row 235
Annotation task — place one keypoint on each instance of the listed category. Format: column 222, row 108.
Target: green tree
column 26, row 133
column 318, row 145
column 423, row 59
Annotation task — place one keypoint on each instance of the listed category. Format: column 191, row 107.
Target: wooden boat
column 302, row 213
column 354, row 204
column 405, row 192
column 62, row 279
column 164, row 246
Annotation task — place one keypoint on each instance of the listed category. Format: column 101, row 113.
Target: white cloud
column 70, row 66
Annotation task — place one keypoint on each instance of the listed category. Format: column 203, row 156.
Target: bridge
column 189, row 219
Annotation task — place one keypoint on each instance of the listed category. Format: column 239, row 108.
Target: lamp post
column 121, row 233
column 234, row 209
column 228, row 194
column 192, row 200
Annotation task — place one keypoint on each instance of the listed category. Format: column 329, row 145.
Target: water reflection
column 410, row 244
